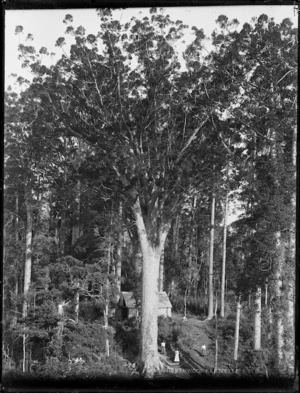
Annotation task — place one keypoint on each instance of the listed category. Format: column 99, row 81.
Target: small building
column 127, row 308
column 164, row 305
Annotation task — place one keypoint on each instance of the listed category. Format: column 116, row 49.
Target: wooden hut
column 164, row 305
column 127, row 306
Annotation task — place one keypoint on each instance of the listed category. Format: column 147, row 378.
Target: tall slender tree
column 223, row 278
column 211, row 260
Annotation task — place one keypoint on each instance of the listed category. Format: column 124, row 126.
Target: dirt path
column 193, row 335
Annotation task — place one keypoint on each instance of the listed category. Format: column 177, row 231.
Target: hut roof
column 163, row 300
column 129, row 300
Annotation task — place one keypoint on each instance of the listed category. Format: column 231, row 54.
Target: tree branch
column 192, row 137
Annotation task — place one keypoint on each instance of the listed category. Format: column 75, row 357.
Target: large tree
column 161, row 133
column 123, row 93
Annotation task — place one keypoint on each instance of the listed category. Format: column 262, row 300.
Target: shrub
column 128, row 339
column 82, row 340
column 253, row 362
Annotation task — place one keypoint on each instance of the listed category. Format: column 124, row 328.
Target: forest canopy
column 121, row 160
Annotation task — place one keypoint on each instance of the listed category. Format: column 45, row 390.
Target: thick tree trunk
column 237, row 329
column 211, row 262
column 257, row 320
column 137, row 255
column 222, row 305
column 148, row 355
column 148, row 351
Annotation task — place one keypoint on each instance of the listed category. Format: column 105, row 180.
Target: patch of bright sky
column 46, row 25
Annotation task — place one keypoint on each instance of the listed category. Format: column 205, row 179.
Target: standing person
column 203, row 350
column 176, row 359
column 163, row 348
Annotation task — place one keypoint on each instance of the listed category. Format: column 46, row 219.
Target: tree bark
column 290, row 337
column 161, row 271
column 278, row 294
column 17, row 219
column 266, row 293
column 77, row 305
column 216, row 356
column 106, row 311
column 175, row 239
column 17, row 240
column 148, row 355
column 211, row 261
column 270, row 323
column 119, row 248
column 50, row 214
column 237, row 329
column 185, row 300
column 257, row 320
column 222, row 305
column 217, row 338
column 106, row 308
column 28, row 252
column 191, row 239
column 28, row 261
column 63, row 210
